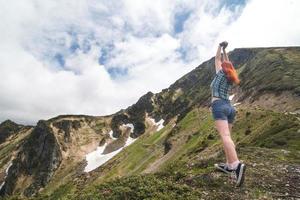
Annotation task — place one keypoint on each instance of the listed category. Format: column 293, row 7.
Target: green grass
column 7, row 148
column 260, row 136
column 64, row 192
column 182, row 184
column 272, row 70
column 189, row 174
column 138, row 187
column 136, row 157
column 268, row 71
column 267, row 129
column 193, row 130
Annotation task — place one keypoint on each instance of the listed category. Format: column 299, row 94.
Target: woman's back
column 220, row 86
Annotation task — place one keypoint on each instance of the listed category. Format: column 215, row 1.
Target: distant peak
column 8, row 122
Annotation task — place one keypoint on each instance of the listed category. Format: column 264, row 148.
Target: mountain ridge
column 174, row 105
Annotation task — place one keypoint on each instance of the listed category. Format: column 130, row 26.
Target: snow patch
column 130, row 126
column 123, row 125
column 129, row 141
column 111, row 135
column 96, row 158
column 2, row 184
column 159, row 124
column 6, row 173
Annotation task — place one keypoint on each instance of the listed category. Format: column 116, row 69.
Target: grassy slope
column 189, row 173
column 196, row 145
column 11, row 145
column 272, row 70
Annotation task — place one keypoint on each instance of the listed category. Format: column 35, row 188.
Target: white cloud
column 143, row 50
column 206, row 23
column 149, row 16
column 136, row 35
column 265, row 23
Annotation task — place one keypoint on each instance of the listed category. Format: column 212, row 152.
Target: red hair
column 230, row 72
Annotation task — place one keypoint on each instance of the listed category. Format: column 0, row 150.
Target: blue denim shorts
column 222, row 109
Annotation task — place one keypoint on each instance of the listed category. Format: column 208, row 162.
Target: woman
column 224, row 113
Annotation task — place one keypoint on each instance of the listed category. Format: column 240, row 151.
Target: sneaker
column 223, row 168
column 239, row 174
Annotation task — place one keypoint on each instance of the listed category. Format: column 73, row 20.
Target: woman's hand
column 224, row 44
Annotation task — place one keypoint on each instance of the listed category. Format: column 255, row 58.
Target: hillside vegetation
column 268, row 142
column 176, row 162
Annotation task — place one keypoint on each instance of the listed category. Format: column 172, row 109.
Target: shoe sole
column 221, row 169
column 241, row 178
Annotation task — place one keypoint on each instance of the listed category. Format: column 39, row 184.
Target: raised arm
column 218, row 60
column 225, row 56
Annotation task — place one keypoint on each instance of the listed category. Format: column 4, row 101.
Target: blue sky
column 180, row 18
column 97, row 57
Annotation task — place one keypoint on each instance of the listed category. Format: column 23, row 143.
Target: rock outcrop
column 36, row 162
column 59, row 145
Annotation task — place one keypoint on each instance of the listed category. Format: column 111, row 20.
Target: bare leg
column 228, row 145
column 230, row 127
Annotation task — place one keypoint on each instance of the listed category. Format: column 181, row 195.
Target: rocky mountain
column 164, row 145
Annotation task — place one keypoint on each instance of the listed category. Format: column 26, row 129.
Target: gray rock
column 38, row 159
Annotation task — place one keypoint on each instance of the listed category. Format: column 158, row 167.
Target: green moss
column 193, row 131
column 189, row 173
column 99, row 126
column 141, row 187
column 136, row 157
column 272, row 70
column 64, row 192
column 281, row 133
column 266, row 141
